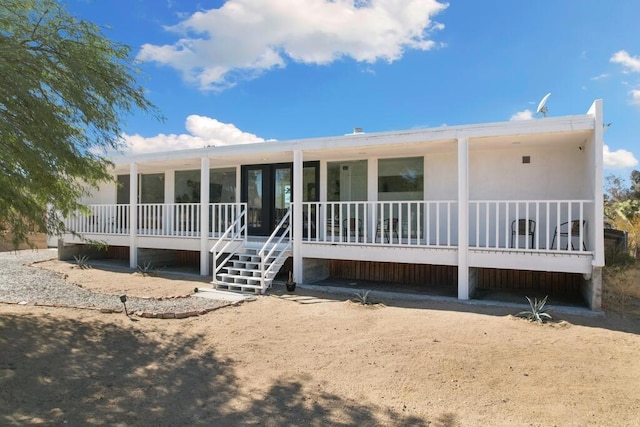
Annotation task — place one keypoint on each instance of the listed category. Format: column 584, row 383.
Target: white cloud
column 203, row 131
column 619, row 159
column 635, row 97
column 630, row 63
column 244, row 38
column 600, row 76
column 522, row 115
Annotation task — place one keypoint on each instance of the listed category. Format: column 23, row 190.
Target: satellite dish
column 542, row 107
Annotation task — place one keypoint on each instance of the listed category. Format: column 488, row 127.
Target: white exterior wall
column 441, row 176
column 559, row 172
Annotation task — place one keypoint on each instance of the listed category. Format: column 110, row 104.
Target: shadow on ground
column 85, row 372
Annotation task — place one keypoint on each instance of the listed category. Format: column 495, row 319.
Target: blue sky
column 227, row 72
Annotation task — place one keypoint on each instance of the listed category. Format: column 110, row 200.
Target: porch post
column 372, row 196
column 297, row 215
column 463, row 219
column 322, row 222
column 597, row 229
column 133, row 215
column 204, row 216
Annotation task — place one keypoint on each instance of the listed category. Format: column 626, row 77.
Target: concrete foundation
column 592, row 289
column 473, row 281
column 314, row 270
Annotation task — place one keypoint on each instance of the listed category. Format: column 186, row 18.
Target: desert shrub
column 363, row 297
column 82, row 262
column 621, row 285
column 538, row 310
column 146, row 268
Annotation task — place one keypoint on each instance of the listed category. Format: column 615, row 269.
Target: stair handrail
column 264, row 255
column 238, row 238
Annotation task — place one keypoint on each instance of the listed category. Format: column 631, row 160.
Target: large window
column 151, row 188
column 187, row 185
column 347, row 181
column 401, row 179
column 222, row 186
column 122, row 190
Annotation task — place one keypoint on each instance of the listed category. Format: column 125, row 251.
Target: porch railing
column 545, row 225
column 154, row 219
column 405, row 223
column 275, row 250
column 99, row 219
column 516, row 225
column 231, row 240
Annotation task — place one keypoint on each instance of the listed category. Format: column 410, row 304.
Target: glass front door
column 268, row 192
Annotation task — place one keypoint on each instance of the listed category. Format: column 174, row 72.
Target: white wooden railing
column 545, row 225
column 99, row 219
column 275, row 250
column 404, row 223
column 231, row 240
column 155, row 219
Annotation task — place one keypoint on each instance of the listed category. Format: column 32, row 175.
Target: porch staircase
column 244, row 271
column 241, row 266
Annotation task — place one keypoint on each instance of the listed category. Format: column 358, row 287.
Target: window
column 152, row 188
column 222, row 186
column 401, row 179
column 122, row 191
column 187, row 186
column 347, row 181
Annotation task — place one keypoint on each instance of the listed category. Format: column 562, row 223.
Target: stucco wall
column 554, row 172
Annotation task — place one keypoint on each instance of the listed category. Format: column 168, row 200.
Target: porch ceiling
column 547, row 139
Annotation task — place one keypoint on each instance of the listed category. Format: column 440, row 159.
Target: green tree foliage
column 622, row 207
column 64, row 92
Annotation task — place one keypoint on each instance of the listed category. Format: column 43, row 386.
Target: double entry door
column 268, row 191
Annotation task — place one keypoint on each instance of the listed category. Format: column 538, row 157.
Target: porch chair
column 351, row 227
column 388, row 228
column 519, row 228
column 575, row 232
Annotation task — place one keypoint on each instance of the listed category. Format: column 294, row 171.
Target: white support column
column 169, row 186
column 322, row 220
column 463, row 219
column 169, row 197
column 297, row 215
column 238, row 182
column 133, row 215
column 372, row 195
column 597, row 229
column 204, row 216
column 323, row 181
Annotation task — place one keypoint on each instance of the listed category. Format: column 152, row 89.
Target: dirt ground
column 312, row 359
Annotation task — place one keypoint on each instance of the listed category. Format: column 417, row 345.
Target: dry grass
column 621, row 289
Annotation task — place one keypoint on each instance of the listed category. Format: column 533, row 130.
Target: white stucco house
column 515, row 204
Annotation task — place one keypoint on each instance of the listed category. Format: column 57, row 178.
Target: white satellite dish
column 542, row 106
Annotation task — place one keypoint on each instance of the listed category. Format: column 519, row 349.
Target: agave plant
column 363, row 297
column 82, row 262
column 146, row 268
column 538, row 310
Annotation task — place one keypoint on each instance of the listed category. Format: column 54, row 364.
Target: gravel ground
column 21, row 284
